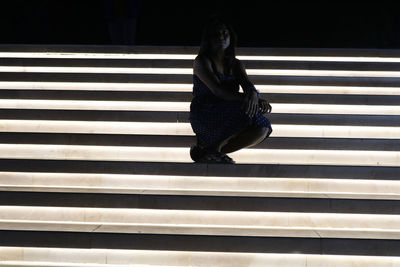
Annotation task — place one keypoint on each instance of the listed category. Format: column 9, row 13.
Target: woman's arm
column 202, row 68
column 251, row 94
column 240, row 73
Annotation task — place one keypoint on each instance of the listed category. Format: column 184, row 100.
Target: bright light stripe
column 185, row 106
column 315, row 89
column 166, row 128
column 211, row 222
column 179, row 154
column 97, row 70
column 94, row 105
column 187, row 71
column 63, row 264
column 199, row 185
column 148, row 87
column 171, row 87
column 68, row 264
column 324, row 73
column 51, row 256
column 73, row 55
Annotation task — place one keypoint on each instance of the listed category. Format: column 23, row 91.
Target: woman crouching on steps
column 224, row 119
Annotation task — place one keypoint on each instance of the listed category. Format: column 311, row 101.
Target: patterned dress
column 214, row 119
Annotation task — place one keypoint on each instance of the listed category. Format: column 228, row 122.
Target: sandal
column 216, row 157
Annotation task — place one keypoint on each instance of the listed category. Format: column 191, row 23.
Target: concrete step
column 195, row 222
column 185, row 129
column 279, row 108
column 164, row 87
column 70, row 257
column 87, row 50
column 226, row 193
column 175, row 168
column 185, row 63
column 115, row 95
column 188, row 141
column 324, row 246
column 181, row 155
column 154, row 67
column 187, row 79
column 67, row 112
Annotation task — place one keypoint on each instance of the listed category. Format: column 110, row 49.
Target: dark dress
column 214, row 119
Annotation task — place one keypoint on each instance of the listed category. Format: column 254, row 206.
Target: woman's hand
column 265, row 107
column 250, row 103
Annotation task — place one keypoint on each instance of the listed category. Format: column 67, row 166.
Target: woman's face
column 222, row 39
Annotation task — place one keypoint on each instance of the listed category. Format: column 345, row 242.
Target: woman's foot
column 216, row 157
column 197, row 153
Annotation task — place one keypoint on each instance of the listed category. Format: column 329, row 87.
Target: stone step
column 185, row 129
column 192, row 169
column 190, row 200
column 216, row 187
column 387, row 116
column 296, row 64
column 325, row 246
column 181, row 155
column 188, row 88
column 255, row 68
column 87, row 50
column 187, row 79
column 168, row 106
column 343, row 99
column 73, row 257
column 201, row 222
column 188, row 141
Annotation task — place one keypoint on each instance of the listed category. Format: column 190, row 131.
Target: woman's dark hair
column 210, row 33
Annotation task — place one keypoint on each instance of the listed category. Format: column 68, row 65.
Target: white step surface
column 185, row 106
column 189, row 71
column 189, row 53
column 182, row 87
column 69, row 257
column 179, row 154
column 199, row 185
column 200, row 222
column 179, row 128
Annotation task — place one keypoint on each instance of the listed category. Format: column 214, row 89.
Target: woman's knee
column 262, row 132
column 268, row 131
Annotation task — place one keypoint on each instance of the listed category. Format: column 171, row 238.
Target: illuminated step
column 167, row 128
column 154, row 64
column 189, row 71
column 187, row 87
column 200, row 222
column 199, row 185
column 187, row 79
column 185, row 106
column 178, row 154
column 188, row 141
column 188, row 64
column 102, row 95
column 94, row 257
column 183, row 117
column 191, row 56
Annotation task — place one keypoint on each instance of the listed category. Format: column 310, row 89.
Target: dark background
column 257, row 23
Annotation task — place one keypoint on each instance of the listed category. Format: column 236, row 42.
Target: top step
column 192, row 50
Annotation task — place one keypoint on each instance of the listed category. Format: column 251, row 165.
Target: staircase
column 95, row 167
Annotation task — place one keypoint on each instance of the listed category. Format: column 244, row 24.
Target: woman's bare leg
column 248, row 137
